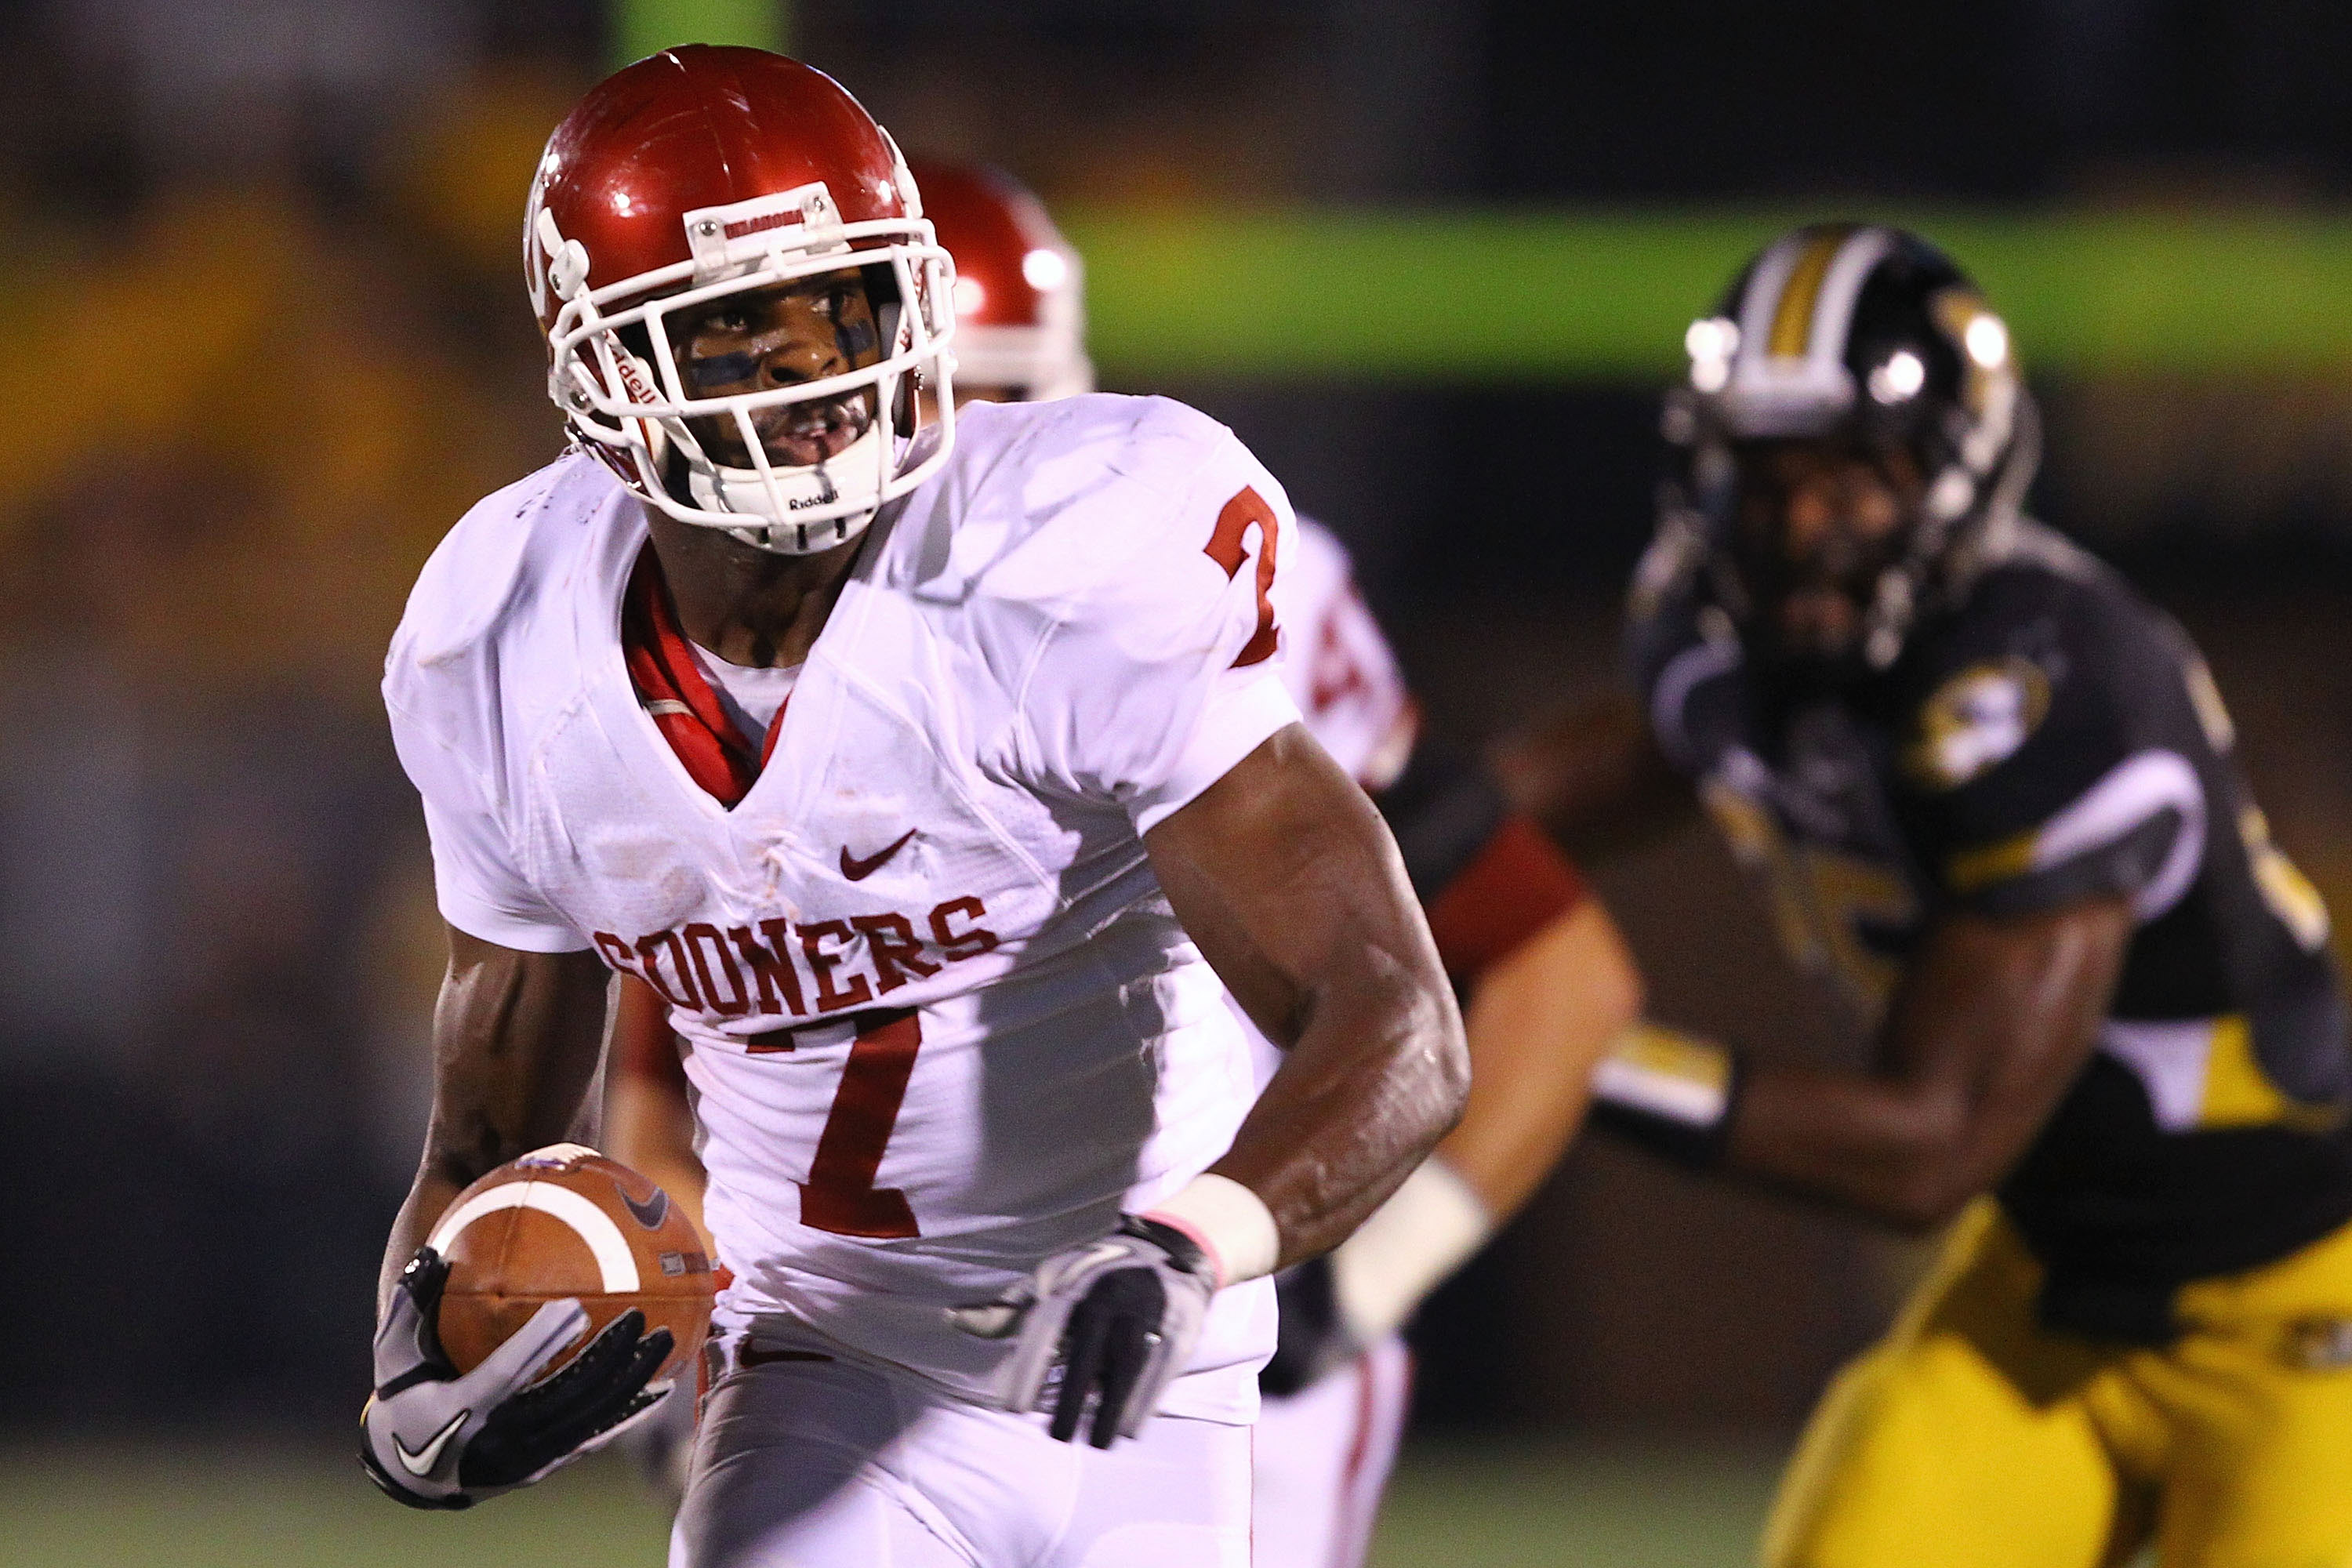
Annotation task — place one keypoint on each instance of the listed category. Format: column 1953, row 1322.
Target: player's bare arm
column 1546, row 985
column 515, row 1042
column 1538, row 1022
column 1285, row 875
column 1991, row 1023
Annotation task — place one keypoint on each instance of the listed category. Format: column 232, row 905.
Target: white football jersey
column 937, row 1016
column 1337, row 662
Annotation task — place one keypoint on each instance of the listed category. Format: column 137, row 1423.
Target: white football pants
column 1323, row 1457
column 825, row 1463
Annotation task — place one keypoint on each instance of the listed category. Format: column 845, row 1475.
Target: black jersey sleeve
column 2052, row 750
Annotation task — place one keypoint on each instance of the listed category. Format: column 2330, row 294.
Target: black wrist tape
column 1672, row 1093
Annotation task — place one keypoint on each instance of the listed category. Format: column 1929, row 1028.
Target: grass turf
column 226, row 1507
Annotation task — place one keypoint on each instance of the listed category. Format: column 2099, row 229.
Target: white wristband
column 1425, row 1230
column 1230, row 1223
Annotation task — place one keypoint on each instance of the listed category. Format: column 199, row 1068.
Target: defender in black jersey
column 1994, row 796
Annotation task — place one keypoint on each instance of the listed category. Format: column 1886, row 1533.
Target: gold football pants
column 1972, row 1437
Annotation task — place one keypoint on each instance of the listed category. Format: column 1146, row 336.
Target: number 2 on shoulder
column 1247, row 511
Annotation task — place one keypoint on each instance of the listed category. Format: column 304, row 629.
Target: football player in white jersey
column 940, row 782
column 1548, row 978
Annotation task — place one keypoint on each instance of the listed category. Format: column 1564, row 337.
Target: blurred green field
column 1622, row 1507
column 246, row 1508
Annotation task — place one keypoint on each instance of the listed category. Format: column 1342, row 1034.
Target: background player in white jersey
column 946, row 929
column 1549, row 981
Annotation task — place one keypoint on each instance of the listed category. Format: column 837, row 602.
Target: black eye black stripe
column 721, row 370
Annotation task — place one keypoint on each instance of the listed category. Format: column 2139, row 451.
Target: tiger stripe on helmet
column 1794, row 315
column 1856, row 260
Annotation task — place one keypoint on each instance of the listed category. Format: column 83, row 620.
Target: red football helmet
column 1020, row 295
column 703, row 171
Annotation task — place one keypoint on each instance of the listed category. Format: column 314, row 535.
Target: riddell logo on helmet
column 632, row 381
column 826, row 493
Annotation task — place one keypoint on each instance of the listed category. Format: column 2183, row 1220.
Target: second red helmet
column 1020, row 288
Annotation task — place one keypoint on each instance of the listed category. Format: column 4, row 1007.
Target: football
column 564, row 1221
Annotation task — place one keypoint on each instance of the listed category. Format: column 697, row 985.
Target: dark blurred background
column 265, row 341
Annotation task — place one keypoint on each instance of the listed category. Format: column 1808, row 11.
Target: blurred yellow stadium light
column 1431, row 296
column 641, row 27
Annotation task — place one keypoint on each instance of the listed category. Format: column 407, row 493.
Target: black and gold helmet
column 1868, row 335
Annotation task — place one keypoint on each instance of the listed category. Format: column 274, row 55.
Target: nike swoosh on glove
column 432, row 1439
column 1119, row 1317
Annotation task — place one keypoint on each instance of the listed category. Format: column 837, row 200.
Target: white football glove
column 1119, row 1317
column 432, row 1439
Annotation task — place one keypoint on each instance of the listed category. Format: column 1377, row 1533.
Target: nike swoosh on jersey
column 649, row 1213
column 421, row 1462
column 857, row 871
